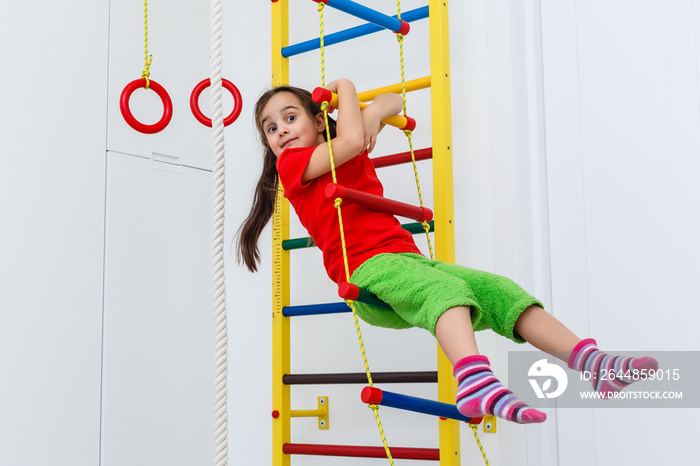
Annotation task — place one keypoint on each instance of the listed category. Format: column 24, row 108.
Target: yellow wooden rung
column 412, row 85
column 399, row 121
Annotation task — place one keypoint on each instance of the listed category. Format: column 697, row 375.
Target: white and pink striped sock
column 480, row 393
column 609, row 374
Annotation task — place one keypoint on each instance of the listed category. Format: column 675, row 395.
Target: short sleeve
column 290, row 166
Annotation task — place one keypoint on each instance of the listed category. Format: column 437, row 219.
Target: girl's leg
column 455, row 334
column 479, row 392
column 546, row 333
column 543, row 331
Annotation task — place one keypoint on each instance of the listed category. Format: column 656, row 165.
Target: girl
column 449, row 301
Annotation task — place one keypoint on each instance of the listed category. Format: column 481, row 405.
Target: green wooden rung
column 307, row 242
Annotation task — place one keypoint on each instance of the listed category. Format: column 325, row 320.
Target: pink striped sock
column 480, row 393
column 609, row 374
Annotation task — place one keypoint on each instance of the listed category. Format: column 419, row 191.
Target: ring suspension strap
column 337, row 203
column 147, row 59
column 399, row 38
column 220, row 316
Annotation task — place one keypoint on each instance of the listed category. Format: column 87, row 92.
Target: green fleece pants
column 420, row 290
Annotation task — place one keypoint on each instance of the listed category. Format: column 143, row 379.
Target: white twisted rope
column 221, row 346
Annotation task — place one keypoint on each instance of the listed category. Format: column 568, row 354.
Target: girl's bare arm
column 349, row 132
column 383, row 106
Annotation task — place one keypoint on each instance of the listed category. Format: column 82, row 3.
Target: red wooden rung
column 403, row 157
column 406, row 453
column 382, row 204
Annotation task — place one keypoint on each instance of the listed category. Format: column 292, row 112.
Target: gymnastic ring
column 237, row 102
column 129, row 117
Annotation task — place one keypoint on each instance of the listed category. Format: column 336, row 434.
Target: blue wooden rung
column 333, row 308
column 351, row 33
column 375, row 396
column 351, row 292
column 360, row 11
column 315, row 309
column 368, row 298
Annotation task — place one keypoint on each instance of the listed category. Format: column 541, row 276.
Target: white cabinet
column 158, row 388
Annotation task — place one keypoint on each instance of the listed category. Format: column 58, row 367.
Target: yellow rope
column 337, row 204
column 399, row 38
column 148, row 59
column 478, row 442
column 426, row 226
column 323, row 71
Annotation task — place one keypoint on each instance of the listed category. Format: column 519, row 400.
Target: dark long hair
column 266, row 190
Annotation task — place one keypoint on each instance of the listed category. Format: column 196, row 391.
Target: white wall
column 53, row 88
column 575, row 124
column 621, row 106
column 158, row 400
column 499, row 167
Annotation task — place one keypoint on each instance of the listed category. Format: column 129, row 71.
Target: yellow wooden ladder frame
column 444, row 230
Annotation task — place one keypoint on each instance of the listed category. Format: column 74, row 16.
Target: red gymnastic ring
column 129, row 117
column 194, row 102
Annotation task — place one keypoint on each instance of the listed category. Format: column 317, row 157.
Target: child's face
column 286, row 124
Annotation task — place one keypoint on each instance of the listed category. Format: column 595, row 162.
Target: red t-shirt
column 367, row 232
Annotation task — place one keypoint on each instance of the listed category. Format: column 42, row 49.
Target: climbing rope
column 478, row 442
column 337, row 203
column 221, row 324
column 148, row 59
column 426, row 226
column 399, row 38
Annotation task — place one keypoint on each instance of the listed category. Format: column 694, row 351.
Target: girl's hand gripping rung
column 404, row 123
